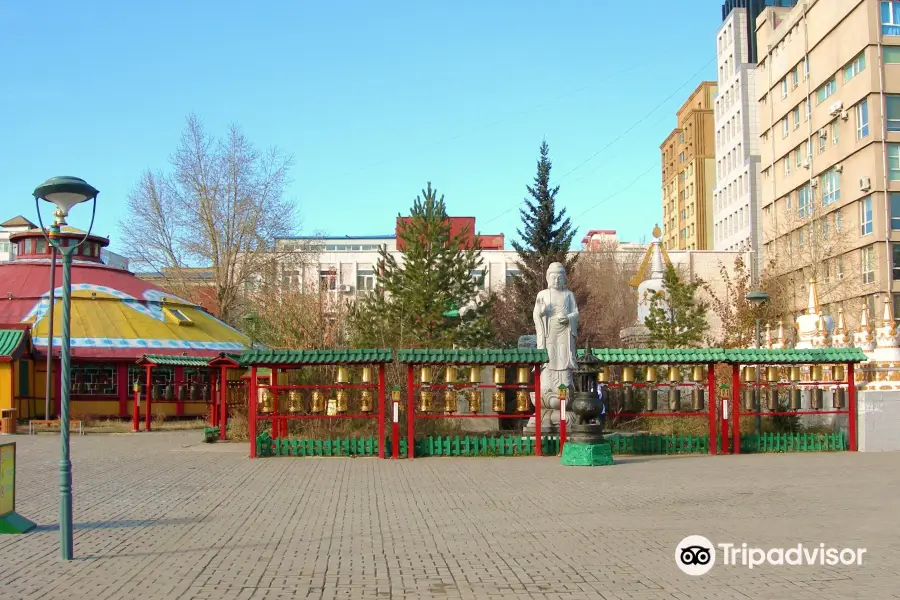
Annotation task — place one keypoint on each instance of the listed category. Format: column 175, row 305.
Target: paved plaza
column 162, row 516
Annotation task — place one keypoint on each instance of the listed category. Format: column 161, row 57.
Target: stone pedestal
column 587, row 455
column 878, row 421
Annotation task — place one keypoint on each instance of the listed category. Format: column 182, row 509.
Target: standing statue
column 556, row 324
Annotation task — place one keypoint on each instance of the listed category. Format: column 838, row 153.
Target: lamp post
column 757, row 299
column 65, row 193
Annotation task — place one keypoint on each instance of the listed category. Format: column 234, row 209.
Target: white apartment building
column 736, row 210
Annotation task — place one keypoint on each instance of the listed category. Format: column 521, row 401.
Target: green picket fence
column 512, row 445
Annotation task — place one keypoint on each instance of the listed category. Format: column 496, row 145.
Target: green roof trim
column 12, row 343
column 650, row 356
column 508, row 356
column 174, row 360
column 316, row 357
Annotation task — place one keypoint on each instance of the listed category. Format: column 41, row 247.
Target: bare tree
column 218, row 212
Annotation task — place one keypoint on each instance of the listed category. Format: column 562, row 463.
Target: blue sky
column 374, row 99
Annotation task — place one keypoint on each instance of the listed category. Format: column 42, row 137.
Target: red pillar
column 711, row 401
column 851, row 406
column 276, row 421
column 179, row 379
column 381, row 411
column 735, row 409
column 213, row 403
column 251, row 410
column 223, row 401
column 410, row 412
column 149, row 395
column 136, row 413
column 538, row 442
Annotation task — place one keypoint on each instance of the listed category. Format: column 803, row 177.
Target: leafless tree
column 217, row 212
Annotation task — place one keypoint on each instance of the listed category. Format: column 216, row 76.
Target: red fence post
column 712, row 400
column 735, row 409
column 149, row 393
column 538, row 441
column 851, row 406
column 410, row 411
column 136, row 413
column 381, row 411
column 223, row 402
column 251, row 411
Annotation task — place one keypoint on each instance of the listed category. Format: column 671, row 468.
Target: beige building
column 828, row 87
column 689, row 173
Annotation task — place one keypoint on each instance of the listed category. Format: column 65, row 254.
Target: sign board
column 10, row 521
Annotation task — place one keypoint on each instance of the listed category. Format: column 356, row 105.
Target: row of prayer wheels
column 426, row 402
column 795, row 399
column 651, row 374
column 817, row 373
column 318, row 404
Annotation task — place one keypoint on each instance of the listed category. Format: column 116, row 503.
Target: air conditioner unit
column 345, row 288
column 805, row 164
column 865, row 184
column 823, row 133
column 835, row 109
column 845, row 115
column 838, row 168
column 814, row 183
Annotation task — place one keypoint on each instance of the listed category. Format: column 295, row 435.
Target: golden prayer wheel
column 772, row 375
column 839, row 399
column 295, row 401
column 652, row 399
column 603, row 375
column 627, row 374
column 425, row 401
column 367, row 375
column 818, row 398
column 796, row 399
column 318, row 401
column 343, row 375
column 474, row 401
column 450, row 401
column 749, row 374
column 749, row 399
column 674, row 399
column 474, row 375
column 522, row 375
column 343, row 401
column 267, row 402
column 698, row 400
column 697, row 373
column 816, row 373
column 651, row 375
column 365, row 401
column 450, row 375
column 522, row 401
column 627, row 398
column 499, row 375
column 837, row 373
column 773, row 399
column 674, row 374
column 499, row 403
column 425, row 375
column 795, row 374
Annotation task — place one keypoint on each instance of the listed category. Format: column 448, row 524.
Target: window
column 855, row 66
column 512, row 273
column 681, row 157
column 862, row 119
column 478, row 277
column 805, row 68
column 795, row 76
column 895, row 261
column 787, row 166
column 838, row 221
column 327, row 279
column 890, row 17
column 893, row 154
column 895, row 211
column 784, row 88
column 785, row 128
column 797, row 157
column 822, row 143
column 831, row 187
column 893, row 113
column 797, row 117
column 865, row 216
column 365, row 280
column 826, row 229
column 807, row 111
column 892, row 55
column 804, row 201
column 827, row 89
column 868, row 264
column 834, row 132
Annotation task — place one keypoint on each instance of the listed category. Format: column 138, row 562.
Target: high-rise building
column 828, row 86
column 689, row 173
column 752, row 8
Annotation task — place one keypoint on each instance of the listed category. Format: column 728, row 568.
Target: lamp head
column 64, row 193
column 757, row 298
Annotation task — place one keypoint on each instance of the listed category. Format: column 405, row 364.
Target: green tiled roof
column 174, row 360
column 791, row 355
column 508, row 356
column 11, row 342
column 649, row 356
column 315, row 357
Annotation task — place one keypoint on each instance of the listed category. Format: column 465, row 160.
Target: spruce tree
column 546, row 235
column 414, row 294
column 676, row 319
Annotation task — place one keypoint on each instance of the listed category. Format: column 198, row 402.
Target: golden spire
column 641, row 273
column 887, row 319
column 813, row 307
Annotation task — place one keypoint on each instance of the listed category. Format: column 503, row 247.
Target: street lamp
column 65, row 193
column 757, row 299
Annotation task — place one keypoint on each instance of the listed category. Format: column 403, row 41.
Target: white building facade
column 736, row 210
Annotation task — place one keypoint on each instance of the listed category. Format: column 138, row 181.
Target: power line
column 653, row 167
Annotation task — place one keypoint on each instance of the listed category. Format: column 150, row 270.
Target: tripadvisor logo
column 696, row 555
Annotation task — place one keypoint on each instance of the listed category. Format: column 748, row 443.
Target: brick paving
column 162, row 516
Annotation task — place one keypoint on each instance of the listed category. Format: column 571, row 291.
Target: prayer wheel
column 267, row 402
column 652, row 399
column 182, row 392
column 794, row 374
column 816, row 373
column 425, row 375
column 674, row 374
column 522, row 401
column 342, row 404
column 697, row 373
column 450, row 375
column 627, row 374
column 318, row 401
column 365, row 401
column 772, row 400
column 425, row 397
column 603, row 375
column 170, row 392
column 818, row 398
column 837, row 373
column 522, row 375
column 674, row 399
column 295, row 401
column 772, row 375
column 450, row 404
column 343, row 375
column 474, row 375
column 627, row 398
column 796, row 399
column 697, row 402
column 499, row 375
column 839, row 399
column 651, row 375
column 474, row 401
column 749, row 374
column 367, row 375
column 499, row 401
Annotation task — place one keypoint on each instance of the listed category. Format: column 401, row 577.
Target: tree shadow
column 122, row 524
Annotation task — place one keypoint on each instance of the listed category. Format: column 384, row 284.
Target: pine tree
column 546, row 236
column 676, row 319
column 413, row 295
